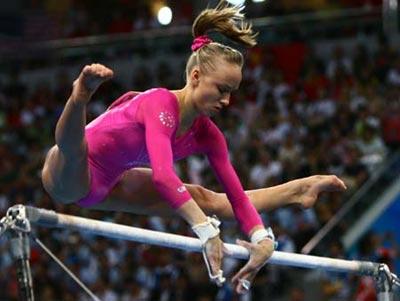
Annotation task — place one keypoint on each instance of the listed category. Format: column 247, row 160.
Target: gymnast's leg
column 135, row 193
column 65, row 174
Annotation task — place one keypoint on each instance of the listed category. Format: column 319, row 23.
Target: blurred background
column 320, row 95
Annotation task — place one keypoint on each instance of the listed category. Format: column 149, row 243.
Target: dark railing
column 303, row 27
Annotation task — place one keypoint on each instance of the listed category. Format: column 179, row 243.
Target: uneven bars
column 51, row 219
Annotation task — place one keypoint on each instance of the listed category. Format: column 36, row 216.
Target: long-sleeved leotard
column 140, row 130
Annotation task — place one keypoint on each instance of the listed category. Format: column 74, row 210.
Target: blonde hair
column 230, row 22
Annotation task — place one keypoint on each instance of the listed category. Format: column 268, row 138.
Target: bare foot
column 91, row 77
column 312, row 186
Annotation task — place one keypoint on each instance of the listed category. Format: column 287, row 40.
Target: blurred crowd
column 54, row 19
column 339, row 114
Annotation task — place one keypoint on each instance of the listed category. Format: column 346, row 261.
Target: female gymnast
column 99, row 165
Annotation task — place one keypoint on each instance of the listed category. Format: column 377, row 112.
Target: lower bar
column 52, row 219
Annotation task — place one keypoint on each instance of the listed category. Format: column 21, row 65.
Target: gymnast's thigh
column 135, row 193
column 136, row 185
column 101, row 183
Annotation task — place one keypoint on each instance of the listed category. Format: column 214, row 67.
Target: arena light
column 164, row 15
column 258, row 1
column 236, row 2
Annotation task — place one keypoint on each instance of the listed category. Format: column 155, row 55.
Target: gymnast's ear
column 195, row 75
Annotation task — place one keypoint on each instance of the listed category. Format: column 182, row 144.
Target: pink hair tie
column 200, row 41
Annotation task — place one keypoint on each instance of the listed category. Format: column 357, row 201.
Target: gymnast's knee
column 214, row 203
column 64, row 180
column 135, row 179
column 205, row 198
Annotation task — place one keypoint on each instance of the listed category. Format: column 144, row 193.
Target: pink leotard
column 140, row 130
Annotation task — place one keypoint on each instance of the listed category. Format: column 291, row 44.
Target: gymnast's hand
column 207, row 230
column 213, row 254
column 259, row 253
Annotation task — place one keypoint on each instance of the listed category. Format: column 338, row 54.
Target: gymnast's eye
column 222, row 90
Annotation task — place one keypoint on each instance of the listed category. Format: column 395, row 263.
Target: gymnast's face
column 212, row 89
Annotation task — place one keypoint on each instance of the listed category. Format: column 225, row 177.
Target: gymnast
column 102, row 165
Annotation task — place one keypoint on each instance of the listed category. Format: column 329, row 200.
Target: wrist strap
column 205, row 231
column 218, row 278
column 262, row 234
column 208, row 229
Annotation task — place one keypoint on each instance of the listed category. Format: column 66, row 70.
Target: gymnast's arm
column 262, row 245
column 159, row 118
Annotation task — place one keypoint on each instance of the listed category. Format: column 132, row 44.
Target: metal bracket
column 386, row 282
column 18, row 218
column 396, row 282
column 4, row 225
column 17, row 227
column 392, row 279
column 15, row 220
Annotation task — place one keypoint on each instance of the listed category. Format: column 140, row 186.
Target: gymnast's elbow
column 161, row 176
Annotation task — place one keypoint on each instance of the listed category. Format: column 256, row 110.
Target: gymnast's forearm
column 191, row 213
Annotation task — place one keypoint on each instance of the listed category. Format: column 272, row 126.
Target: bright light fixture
column 236, row 2
column 164, row 15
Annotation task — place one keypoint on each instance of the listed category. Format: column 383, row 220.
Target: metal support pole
column 20, row 251
column 18, row 227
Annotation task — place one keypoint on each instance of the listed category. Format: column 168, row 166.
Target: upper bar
column 52, row 219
